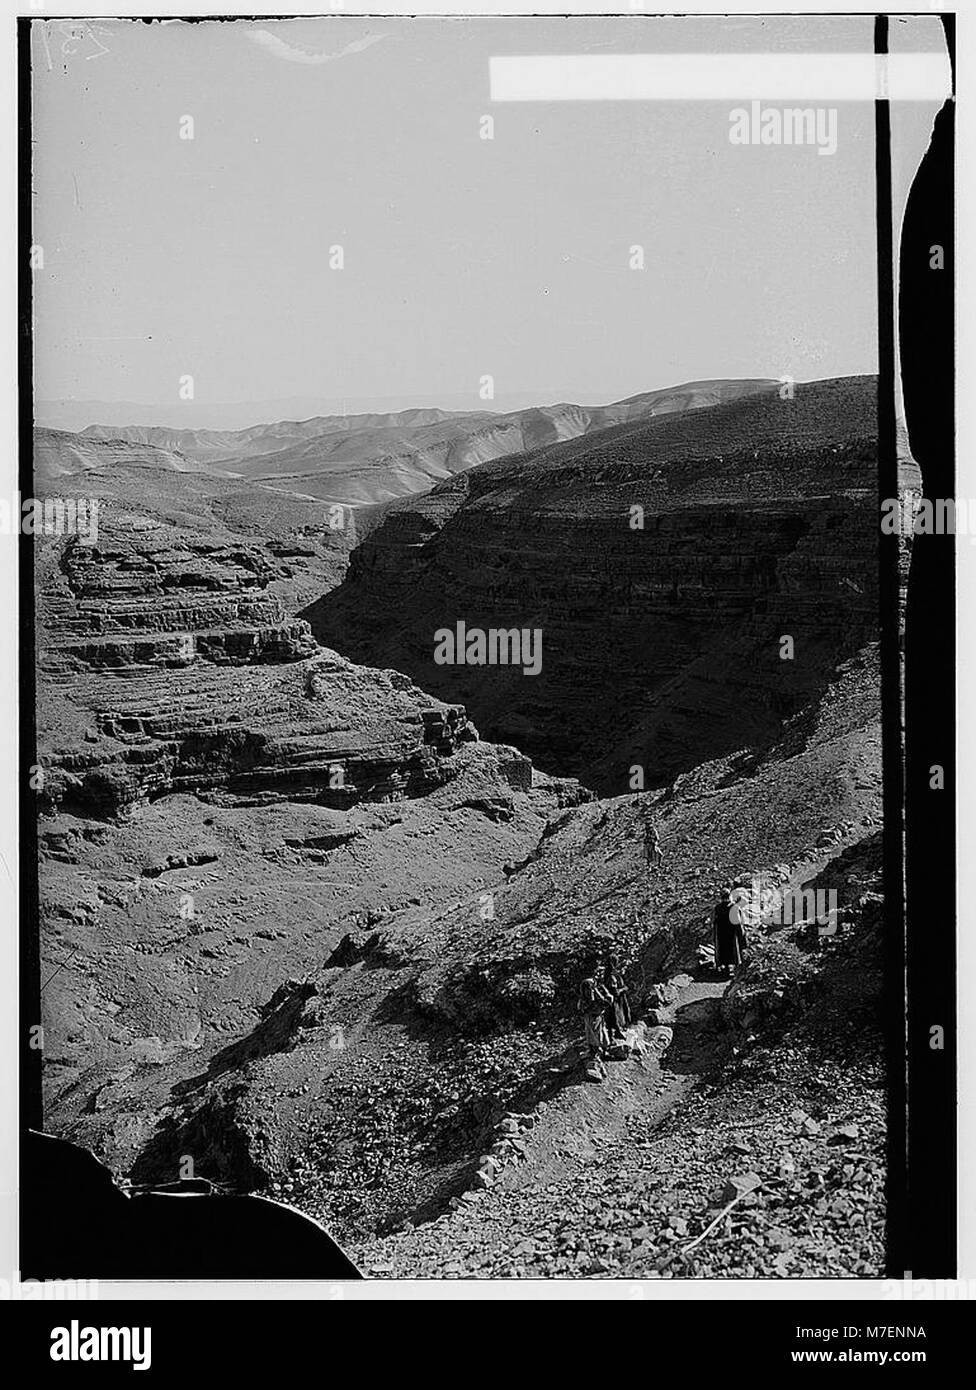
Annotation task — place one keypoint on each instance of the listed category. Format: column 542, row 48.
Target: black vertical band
column 926, row 328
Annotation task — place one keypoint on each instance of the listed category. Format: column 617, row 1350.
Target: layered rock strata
column 168, row 664
column 663, row 563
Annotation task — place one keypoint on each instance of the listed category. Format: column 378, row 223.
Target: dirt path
column 588, row 1135
column 588, row 1119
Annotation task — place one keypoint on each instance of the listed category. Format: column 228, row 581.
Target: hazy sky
column 463, row 256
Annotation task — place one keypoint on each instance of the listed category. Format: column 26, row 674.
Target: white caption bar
column 828, row 77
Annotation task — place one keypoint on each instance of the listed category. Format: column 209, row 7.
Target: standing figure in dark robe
column 652, row 843
column 593, row 1003
column 619, row 1015
column 728, row 937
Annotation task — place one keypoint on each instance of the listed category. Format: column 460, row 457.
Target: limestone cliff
column 663, row 562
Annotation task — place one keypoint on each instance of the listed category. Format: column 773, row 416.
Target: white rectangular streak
column 822, row 77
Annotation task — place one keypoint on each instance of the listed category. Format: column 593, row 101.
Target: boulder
column 661, row 995
column 660, row 1018
column 740, row 1185
column 638, row 1038
column 845, row 1134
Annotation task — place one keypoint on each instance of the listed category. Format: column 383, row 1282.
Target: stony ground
column 727, row 1154
column 365, row 1066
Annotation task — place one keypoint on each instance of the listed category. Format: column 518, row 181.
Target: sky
column 463, row 257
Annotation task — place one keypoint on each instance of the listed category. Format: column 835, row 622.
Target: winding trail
column 585, row 1136
column 587, row 1118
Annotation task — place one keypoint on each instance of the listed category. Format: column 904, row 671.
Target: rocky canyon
column 315, row 908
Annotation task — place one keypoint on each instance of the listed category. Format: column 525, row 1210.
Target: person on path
column 619, row 1015
column 728, row 936
column 653, row 853
column 593, row 1003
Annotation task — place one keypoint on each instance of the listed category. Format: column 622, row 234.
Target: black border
column 30, row 977
column 926, row 322
column 919, row 828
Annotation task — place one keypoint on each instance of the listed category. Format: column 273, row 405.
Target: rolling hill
column 361, row 460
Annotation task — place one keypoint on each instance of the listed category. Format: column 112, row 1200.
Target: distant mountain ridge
column 361, row 460
column 215, row 444
column 61, row 454
column 230, row 417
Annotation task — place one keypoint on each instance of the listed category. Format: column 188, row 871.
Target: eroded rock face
column 224, row 802
column 358, row 991
column 662, row 561
column 163, row 596
column 168, row 664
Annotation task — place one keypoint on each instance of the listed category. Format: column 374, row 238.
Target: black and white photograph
column 486, row 530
